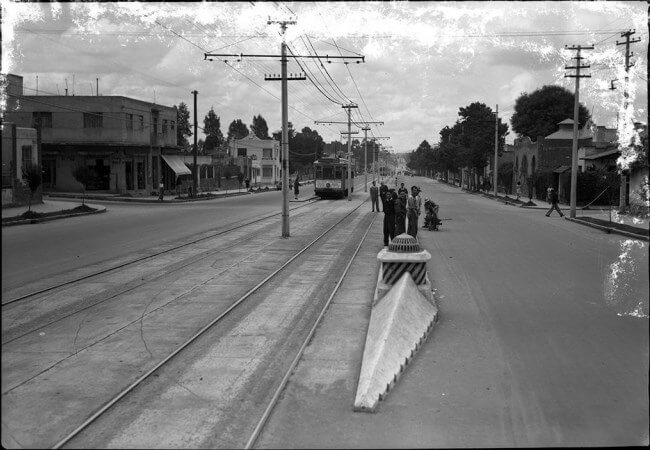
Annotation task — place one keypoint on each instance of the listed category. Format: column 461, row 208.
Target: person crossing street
column 554, row 204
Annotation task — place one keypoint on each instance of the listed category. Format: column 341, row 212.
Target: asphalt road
column 542, row 338
column 38, row 251
column 542, row 341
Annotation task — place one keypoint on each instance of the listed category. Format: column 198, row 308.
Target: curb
column 48, row 219
column 140, row 200
column 608, row 230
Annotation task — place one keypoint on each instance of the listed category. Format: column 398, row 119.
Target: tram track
column 228, row 310
column 243, row 223
column 147, row 377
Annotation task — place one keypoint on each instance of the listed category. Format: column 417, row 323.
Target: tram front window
column 328, row 173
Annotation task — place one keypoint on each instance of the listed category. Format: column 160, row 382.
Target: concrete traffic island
column 402, row 315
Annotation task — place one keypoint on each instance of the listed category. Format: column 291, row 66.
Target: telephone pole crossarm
column 240, row 56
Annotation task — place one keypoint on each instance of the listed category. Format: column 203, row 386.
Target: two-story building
column 258, row 159
column 122, row 139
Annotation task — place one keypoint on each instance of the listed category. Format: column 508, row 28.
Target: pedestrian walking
column 389, row 216
column 554, row 204
column 518, row 191
column 161, row 190
column 548, row 194
column 374, row 196
column 296, row 187
column 402, row 189
column 413, row 205
column 400, row 214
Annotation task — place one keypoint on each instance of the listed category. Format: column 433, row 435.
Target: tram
column 331, row 177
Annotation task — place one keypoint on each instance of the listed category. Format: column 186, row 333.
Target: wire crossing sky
column 423, row 60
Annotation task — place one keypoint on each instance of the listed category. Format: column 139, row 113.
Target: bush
column 591, row 184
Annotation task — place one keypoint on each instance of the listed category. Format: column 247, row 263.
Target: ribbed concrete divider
column 399, row 323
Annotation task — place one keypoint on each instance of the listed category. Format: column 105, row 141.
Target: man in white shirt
column 413, row 207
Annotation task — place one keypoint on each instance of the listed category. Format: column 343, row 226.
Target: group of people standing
column 398, row 206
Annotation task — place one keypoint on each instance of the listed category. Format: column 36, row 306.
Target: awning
column 175, row 162
column 604, row 154
column 562, row 169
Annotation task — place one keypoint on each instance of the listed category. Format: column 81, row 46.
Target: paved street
column 540, row 343
column 126, row 228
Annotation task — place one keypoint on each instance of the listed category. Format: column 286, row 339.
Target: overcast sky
column 423, row 60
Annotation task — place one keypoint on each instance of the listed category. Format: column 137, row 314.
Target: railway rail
column 143, row 258
column 205, row 328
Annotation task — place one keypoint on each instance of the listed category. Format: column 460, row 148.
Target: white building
column 258, row 158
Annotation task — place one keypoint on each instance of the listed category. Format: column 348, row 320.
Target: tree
column 212, row 130
column 259, row 127
column 84, row 175
column 422, row 158
column 305, row 147
column 183, row 130
column 537, row 114
column 290, row 131
column 237, row 130
column 32, row 175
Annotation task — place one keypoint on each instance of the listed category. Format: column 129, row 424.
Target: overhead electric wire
column 343, row 96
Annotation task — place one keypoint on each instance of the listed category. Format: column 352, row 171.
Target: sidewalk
column 596, row 212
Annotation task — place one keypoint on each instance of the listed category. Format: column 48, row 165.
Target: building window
column 172, row 126
column 141, row 120
column 93, row 120
column 46, row 119
column 27, row 155
column 164, row 127
column 129, row 121
column 267, row 153
column 267, row 172
column 241, row 152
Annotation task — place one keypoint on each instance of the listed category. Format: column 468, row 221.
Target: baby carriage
column 431, row 221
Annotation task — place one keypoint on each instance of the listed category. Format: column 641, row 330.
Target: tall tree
column 237, row 130
column 212, row 130
column 183, row 130
column 290, row 131
column 259, row 127
column 305, row 147
column 538, row 113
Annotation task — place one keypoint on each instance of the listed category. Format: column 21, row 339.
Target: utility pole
column 576, row 105
column 194, row 171
column 349, row 133
column 628, row 41
column 374, row 159
column 285, row 106
column 496, row 149
column 365, row 157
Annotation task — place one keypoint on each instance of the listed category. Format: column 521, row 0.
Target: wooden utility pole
column 623, row 187
column 194, row 168
column 349, row 133
column 285, row 116
column 576, row 107
column 496, row 150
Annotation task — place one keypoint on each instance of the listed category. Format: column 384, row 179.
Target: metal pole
column 285, row 141
column 365, row 157
column 496, row 149
column 349, row 154
column 194, row 168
